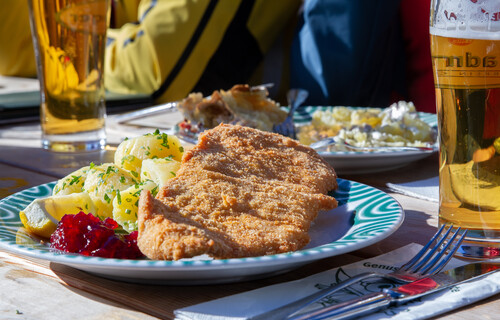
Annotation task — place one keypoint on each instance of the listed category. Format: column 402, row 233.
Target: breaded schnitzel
column 240, row 192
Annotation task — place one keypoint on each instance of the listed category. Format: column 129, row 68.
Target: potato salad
column 109, row 189
column 398, row 125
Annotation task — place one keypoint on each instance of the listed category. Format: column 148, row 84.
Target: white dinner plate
column 351, row 163
column 365, row 215
column 356, row 162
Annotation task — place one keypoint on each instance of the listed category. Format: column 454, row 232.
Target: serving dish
column 365, row 215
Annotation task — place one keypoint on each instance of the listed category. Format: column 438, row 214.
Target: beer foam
column 466, row 19
column 468, row 33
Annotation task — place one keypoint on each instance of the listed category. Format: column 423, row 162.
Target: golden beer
column 467, row 80
column 70, row 37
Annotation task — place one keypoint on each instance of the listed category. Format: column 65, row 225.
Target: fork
column 295, row 98
column 431, row 259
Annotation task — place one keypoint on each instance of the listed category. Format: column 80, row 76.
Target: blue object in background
column 349, row 52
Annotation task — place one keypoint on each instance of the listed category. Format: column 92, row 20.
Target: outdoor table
column 39, row 289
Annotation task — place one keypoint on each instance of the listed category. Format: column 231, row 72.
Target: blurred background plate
column 355, row 162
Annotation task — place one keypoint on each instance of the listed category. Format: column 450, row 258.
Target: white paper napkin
column 15, row 84
column 255, row 303
column 427, row 189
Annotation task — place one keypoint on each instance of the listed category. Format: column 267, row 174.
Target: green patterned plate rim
column 374, row 216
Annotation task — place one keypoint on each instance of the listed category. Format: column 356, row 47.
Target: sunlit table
column 36, row 289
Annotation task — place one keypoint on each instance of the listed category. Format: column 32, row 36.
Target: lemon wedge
column 42, row 215
column 476, row 185
column 37, row 220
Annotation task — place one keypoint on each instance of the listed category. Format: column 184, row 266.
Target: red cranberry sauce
column 88, row 235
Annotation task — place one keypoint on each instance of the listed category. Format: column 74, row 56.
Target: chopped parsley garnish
column 118, row 197
column 75, row 179
column 137, row 193
column 107, row 198
column 112, row 169
column 154, row 191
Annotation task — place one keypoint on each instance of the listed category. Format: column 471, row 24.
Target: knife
column 404, row 293
column 166, row 107
column 145, row 112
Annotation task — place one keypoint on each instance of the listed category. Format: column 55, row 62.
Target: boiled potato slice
column 159, row 170
column 131, row 152
column 42, row 215
column 102, row 183
column 72, row 183
column 126, row 204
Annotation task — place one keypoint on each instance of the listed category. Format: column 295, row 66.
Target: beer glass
column 465, row 48
column 69, row 39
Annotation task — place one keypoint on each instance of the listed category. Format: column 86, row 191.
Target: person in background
column 364, row 53
column 169, row 48
column 16, row 47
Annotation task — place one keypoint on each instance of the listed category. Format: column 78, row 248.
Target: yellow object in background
column 169, row 48
column 177, row 45
column 16, row 47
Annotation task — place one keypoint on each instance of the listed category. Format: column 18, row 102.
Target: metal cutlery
column 146, row 112
column 165, row 107
column 295, row 98
column 388, row 297
column 187, row 136
column 431, row 259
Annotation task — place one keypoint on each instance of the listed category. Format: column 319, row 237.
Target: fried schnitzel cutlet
column 240, row 192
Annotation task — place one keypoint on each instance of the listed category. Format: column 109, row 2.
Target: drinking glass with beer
column 69, row 39
column 465, row 47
